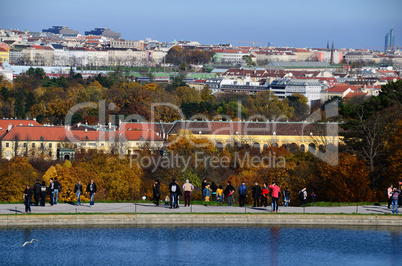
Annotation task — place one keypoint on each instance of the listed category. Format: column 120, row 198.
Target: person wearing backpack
column 173, row 188
column 43, row 190
column 303, row 196
column 242, row 194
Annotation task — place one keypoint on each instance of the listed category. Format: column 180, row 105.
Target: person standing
column 91, row 188
column 219, row 194
column 276, row 191
column 313, row 197
column 28, row 197
column 56, row 191
column 303, row 196
column 264, row 196
column 242, row 194
column 395, row 196
column 257, row 194
column 389, row 195
column 213, row 187
column 173, row 187
column 43, row 190
column 207, row 193
column 37, row 192
column 203, row 185
column 156, row 188
column 78, row 191
column 178, row 195
column 286, row 197
column 229, row 190
column 400, row 195
column 51, row 190
column 187, row 188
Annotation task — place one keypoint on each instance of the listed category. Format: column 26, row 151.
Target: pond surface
column 201, row 246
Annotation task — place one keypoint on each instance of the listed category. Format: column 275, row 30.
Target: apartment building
column 229, row 56
column 38, row 55
column 311, row 89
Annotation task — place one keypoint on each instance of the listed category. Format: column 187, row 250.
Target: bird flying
column 29, row 242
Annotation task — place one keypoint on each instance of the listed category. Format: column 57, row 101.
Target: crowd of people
column 40, row 191
column 212, row 192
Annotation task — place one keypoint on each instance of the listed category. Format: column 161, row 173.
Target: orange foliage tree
column 14, row 176
column 346, row 182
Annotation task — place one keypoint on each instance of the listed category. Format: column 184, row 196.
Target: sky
column 293, row 23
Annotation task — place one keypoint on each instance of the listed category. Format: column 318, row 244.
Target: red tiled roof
column 24, row 133
column 342, row 88
column 38, row 47
column 354, row 94
column 17, row 122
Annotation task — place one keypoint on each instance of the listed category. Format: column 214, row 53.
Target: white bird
column 30, row 242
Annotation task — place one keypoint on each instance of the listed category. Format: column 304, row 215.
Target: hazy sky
column 293, row 23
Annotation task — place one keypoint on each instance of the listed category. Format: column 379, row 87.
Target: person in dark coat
column 78, row 191
column 242, row 194
column 178, row 195
column 157, row 192
column 203, row 185
column 91, row 188
column 257, row 192
column 43, row 191
column 37, row 192
column 28, row 197
column 214, row 187
column 228, row 192
column 173, row 188
column 56, row 190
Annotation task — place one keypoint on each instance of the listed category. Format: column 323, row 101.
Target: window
column 50, row 154
column 50, row 145
column 33, row 145
column 7, row 144
column 42, row 145
column 25, row 145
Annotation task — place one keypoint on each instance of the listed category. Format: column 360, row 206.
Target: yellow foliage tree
column 14, row 176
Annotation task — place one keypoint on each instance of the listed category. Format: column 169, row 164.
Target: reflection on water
column 201, row 246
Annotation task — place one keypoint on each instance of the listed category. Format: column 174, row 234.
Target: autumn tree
column 14, row 176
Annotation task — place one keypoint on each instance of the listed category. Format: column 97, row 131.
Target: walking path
column 149, row 208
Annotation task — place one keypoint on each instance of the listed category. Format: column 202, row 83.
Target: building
column 53, row 142
column 105, row 32
column 139, row 45
column 338, row 90
column 226, row 56
column 389, row 41
column 62, row 30
column 325, row 56
column 361, row 56
column 311, row 89
column 261, row 135
column 38, row 55
column 4, row 53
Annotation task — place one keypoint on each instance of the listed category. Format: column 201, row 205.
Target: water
column 200, row 246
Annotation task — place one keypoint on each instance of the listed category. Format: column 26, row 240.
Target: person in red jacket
column 264, row 197
column 275, row 194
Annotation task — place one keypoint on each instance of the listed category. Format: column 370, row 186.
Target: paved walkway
column 149, row 208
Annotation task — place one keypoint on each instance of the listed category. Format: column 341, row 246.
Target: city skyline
column 309, row 24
